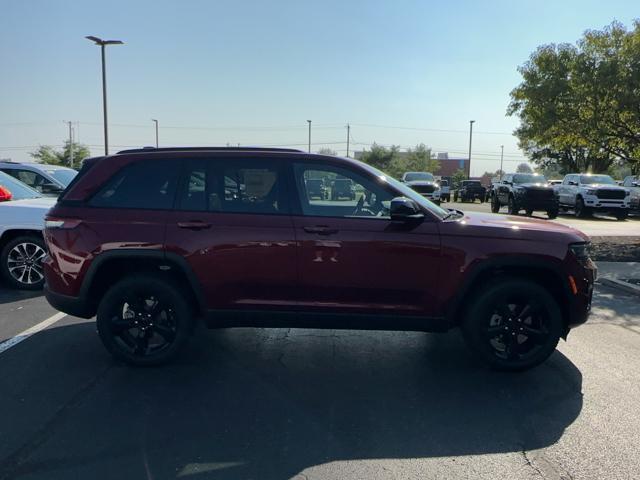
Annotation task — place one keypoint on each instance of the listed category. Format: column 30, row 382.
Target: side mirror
column 51, row 188
column 403, row 209
column 575, row 184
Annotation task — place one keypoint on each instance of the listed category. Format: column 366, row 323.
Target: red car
column 153, row 240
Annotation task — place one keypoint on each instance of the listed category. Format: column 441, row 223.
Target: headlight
column 580, row 251
column 592, row 192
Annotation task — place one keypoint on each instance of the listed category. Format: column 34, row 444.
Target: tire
column 496, row 330
column 512, row 208
column 552, row 214
column 495, row 204
column 168, row 323
column 21, row 262
column 455, row 197
column 581, row 210
column 622, row 215
column 529, row 212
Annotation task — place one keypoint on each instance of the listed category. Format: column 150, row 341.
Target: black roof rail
column 216, row 149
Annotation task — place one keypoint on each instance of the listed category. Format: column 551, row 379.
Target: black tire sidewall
column 4, row 270
column 163, row 289
column 476, row 315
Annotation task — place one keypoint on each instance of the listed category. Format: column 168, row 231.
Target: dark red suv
column 152, row 240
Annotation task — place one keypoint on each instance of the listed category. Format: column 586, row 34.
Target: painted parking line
column 13, row 341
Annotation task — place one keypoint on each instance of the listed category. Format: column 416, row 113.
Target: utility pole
column 156, row 122
column 501, row 159
column 471, row 122
column 70, row 144
column 309, row 122
column 103, row 44
column 348, row 135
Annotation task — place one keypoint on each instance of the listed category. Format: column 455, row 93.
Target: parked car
column 50, row 180
column 130, row 243
column 316, row 189
column 342, row 188
column 524, row 191
column 424, row 183
column 469, row 191
column 586, row 193
column 445, row 190
column 22, row 248
column 632, row 183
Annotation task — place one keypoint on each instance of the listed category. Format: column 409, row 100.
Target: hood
column 516, row 227
column 42, row 203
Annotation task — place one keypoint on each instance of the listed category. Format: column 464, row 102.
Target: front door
column 352, row 258
column 232, row 225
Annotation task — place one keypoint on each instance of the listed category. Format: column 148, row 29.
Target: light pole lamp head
column 99, row 41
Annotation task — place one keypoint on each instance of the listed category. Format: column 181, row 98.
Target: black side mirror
column 403, row 209
column 575, row 184
column 51, row 188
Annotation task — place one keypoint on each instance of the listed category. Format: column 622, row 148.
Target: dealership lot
column 260, row 403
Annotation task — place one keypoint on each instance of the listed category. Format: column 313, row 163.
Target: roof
column 204, row 149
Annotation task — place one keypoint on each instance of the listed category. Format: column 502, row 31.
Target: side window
column 147, row 184
column 33, row 179
column 197, row 192
column 328, row 191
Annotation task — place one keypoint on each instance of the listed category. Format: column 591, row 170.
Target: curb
column 620, row 285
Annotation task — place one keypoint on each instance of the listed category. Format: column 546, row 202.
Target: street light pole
column 348, row 135
column 103, row 44
column 471, row 122
column 309, row 122
column 501, row 159
column 156, row 122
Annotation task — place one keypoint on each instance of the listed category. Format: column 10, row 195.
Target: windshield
column 590, row 179
column 408, row 192
column 529, row 178
column 19, row 191
column 413, row 176
column 63, row 176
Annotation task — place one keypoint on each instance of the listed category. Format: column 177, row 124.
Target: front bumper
column 592, row 201
column 74, row 306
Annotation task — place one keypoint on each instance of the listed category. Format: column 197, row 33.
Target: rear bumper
column 74, row 306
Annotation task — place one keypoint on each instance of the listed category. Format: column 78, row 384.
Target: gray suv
column 50, row 180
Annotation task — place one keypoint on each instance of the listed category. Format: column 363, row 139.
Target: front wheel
column 622, row 215
column 144, row 320
column 529, row 212
column 512, row 207
column 552, row 213
column 581, row 210
column 513, row 325
column 21, row 262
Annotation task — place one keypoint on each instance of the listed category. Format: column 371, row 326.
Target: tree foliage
column 394, row 163
column 579, row 105
column 524, row 168
column 457, row 178
column 327, row 151
column 47, row 154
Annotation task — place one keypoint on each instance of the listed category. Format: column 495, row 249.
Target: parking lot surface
column 313, row 404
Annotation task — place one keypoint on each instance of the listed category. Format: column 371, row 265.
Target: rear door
column 232, row 225
column 352, row 258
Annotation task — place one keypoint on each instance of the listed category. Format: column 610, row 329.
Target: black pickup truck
column 469, row 190
column 524, row 191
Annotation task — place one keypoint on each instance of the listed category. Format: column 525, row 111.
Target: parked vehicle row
column 524, row 191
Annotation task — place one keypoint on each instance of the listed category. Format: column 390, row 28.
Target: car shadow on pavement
column 266, row 403
column 9, row 295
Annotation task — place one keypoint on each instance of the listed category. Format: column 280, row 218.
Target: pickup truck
column 586, row 193
column 524, row 191
column 469, row 190
column 632, row 182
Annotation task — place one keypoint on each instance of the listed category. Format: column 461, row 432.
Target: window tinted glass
column 413, row 176
column 347, row 194
column 19, row 191
column 593, row 179
column 147, row 184
column 529, row 178
column 251, row 187
column 193, row 195
column 63, row 176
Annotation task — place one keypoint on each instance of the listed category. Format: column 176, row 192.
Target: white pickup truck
column 22, row 249
column 585, row 193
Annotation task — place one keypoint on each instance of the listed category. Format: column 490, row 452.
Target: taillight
column 5, row 194
column 62, row 223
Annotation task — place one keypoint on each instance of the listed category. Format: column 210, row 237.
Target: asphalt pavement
column 313, row 404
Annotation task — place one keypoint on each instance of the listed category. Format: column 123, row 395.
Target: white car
column 22, row 249
column 587, row 193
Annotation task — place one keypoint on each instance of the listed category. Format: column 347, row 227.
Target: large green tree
column 47, row 154
column 381, row 157
column 579, row 105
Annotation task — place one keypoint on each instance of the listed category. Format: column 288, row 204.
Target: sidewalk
column 618, row 274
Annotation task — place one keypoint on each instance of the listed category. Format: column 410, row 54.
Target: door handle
column 194, row 225
column 321, row 230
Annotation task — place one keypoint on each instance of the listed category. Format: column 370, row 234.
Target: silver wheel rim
column 25, row 263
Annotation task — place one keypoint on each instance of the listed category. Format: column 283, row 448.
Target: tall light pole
column 348, row 135
column 471, row 122
column 309, row 122
column 501, row 159
column 156, row 122
column 103, row 44
column 70, row 144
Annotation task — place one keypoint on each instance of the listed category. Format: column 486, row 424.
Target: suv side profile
column 524, row 191
column 50, row 180
column 586, row 193
column 151, row 241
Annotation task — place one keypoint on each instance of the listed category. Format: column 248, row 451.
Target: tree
column 327, row 151
column 457, row 178
column 524, row 168
column 381, row 157
column 420, row 159
column 47, row 154
column 578, row 104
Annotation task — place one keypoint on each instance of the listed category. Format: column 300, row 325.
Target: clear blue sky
column 253, row 72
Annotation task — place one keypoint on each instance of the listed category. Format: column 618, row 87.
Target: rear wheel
column 513, row 325
column 529, row 212
column 144, row 320
column 21, row 262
